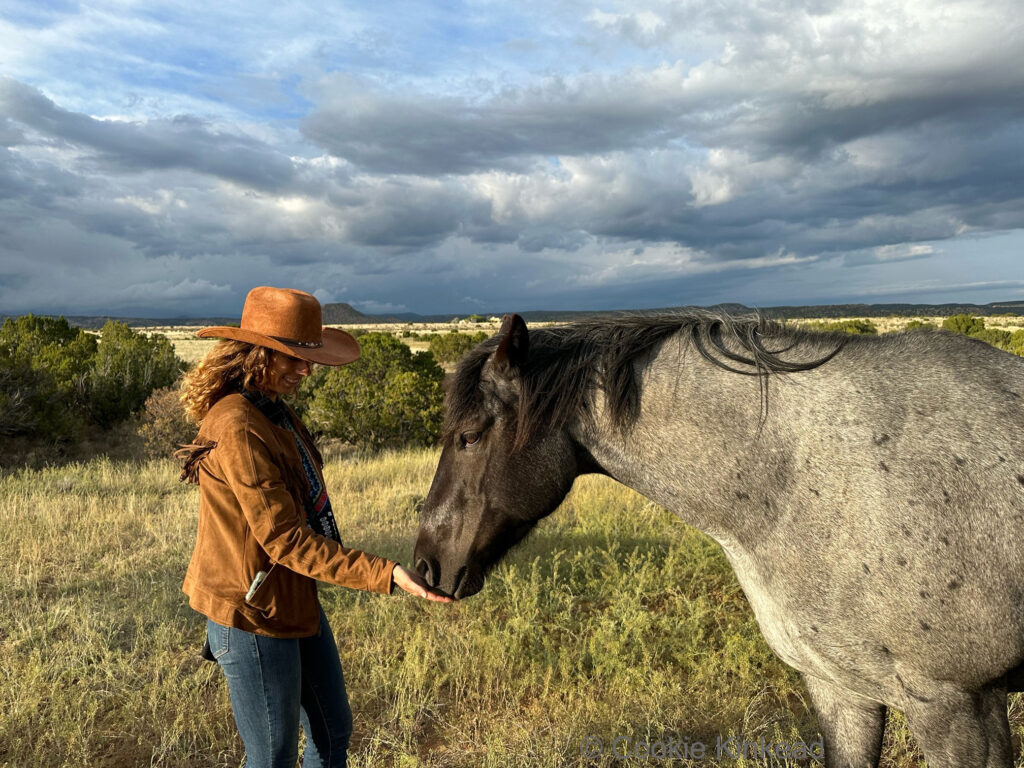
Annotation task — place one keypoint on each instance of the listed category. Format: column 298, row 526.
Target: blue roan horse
column 868, row 492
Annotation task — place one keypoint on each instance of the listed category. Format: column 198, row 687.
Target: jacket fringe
column 193, row 454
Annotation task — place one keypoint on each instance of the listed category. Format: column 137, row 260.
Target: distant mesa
column 346, row 314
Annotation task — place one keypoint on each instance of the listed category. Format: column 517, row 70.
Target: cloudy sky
column 161, row 158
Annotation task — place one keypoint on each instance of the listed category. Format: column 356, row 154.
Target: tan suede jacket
column 252, row 518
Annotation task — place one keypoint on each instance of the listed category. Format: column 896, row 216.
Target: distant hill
column 783, row 312
column 345, row 314
column 341, row 314
column 898, row 310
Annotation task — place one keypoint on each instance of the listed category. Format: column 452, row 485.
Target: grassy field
column 614, row 619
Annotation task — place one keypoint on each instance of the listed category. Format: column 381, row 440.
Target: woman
column 267, row 532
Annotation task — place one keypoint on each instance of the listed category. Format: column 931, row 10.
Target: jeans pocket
column 219, row 638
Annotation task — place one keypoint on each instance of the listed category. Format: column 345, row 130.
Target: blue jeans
column 276, row 683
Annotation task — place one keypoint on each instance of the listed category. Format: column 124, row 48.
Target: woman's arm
column 249, row 469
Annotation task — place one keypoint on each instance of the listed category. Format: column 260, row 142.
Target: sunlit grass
column 612, row 619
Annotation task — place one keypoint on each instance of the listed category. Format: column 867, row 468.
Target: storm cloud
column 574, row 156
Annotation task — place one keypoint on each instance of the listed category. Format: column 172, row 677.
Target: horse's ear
column 514, row 347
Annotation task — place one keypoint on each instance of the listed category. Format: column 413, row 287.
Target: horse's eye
column 469, row 438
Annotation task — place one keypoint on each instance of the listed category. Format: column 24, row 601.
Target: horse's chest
column 792, row 629
column 784, row 633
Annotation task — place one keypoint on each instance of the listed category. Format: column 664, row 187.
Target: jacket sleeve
column 269, row 507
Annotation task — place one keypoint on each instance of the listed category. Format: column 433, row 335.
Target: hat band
column 294, row 343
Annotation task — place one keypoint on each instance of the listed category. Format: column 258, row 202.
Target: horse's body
column 872, row 504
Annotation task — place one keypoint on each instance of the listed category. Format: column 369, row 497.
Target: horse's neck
column 696, row 442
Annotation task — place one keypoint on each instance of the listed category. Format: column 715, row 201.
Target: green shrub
column 56, row 379
column 995, row 337
column 127, row 367
column 43, row 364
column 450, row 347
column 845, row 326
column 163, row 425
column 303, row 396
column 388, row 397
column 966, row 324
column 1017, row 343
column 20, row 400
column 975, row 327
column 919, row 325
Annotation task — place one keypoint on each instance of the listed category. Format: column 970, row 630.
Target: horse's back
column 907, row 478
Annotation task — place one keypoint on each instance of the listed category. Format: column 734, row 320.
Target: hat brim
column 338, row 347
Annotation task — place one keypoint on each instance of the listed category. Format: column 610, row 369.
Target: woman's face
column 285, row 373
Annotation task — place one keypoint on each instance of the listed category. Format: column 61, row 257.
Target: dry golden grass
column 891, row 324
column 612, row 619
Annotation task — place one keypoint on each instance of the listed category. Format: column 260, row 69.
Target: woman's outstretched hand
column 414, row 584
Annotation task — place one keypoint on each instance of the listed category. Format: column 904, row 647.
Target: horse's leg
column 957, row 728
column 851, row 725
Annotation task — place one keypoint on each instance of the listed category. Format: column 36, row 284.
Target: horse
column 867, row 491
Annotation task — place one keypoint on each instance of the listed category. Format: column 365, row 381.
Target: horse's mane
column 566, row 364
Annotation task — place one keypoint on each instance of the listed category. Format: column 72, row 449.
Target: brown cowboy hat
column 288, row 321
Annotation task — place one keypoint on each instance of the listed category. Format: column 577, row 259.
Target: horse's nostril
column 458, row 579
column 430, row 570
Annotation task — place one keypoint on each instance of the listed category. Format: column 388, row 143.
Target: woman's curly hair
column 227, row 367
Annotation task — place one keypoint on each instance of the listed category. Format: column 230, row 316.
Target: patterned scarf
column 319, row 514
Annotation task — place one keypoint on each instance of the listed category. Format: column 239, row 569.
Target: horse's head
column 495, row 480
